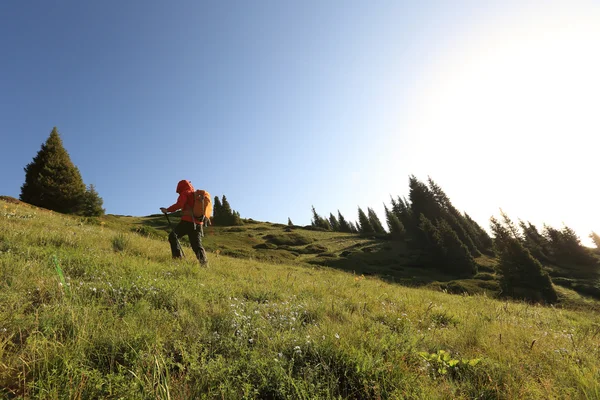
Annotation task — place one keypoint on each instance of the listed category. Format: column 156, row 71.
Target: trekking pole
column 174, row 234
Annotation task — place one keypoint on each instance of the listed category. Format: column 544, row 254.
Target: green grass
column 135, row 324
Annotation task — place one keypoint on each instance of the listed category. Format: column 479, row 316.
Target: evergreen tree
column 52, row 180
column 394, row 225
column 522, row 274
column 217, row 211
column 483, row 238
column 455, row 219
column 535, row 242
column 364, row 225
column 423, row 200
column 223, row 214
column 431, row 242
column 446, row 250
column 318, row 221
column 596, row 239
column 236, row 219
column 566, row 247
column 290, row 222
column 344, row 225
column 353, row 227
column 459, row 228
column 91, row 205
column 405, row 215
column 226, row 211
column 374, row 221
column 335, row 225
column 457, row 256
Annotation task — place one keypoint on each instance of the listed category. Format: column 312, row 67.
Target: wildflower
column 337, row 336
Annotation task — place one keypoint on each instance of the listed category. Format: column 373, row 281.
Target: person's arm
column 177, row 206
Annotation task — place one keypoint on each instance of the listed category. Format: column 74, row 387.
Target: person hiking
column 187, row 225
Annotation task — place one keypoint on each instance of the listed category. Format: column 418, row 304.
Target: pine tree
column 374, row 221
column 423, row 201
column 394, row 225
column 353, row 227
column 405, row 215
column 596, row 239
column 364, row 225
column 535, row 242
column 52, row 180
column 91, row 205
column 290, row 222
column 431, row 242
column 455, row 219
column 522, row 274
column 458, row 227
column 318, row 221
column 483, row 238
column 217, row 211
column 335, row 225
column 236, row 219
column 566, row 247
column 226, row 212
column 344, row 225
column 457, row 258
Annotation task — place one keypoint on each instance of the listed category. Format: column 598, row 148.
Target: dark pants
column 187, row 228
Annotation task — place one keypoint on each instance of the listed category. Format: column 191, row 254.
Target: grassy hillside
column 96, row 308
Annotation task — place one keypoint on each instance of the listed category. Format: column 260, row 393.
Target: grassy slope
column 136, row 324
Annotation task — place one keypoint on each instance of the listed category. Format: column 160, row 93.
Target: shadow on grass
column 398, row 263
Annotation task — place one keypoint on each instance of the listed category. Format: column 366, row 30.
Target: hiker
column 188, row 225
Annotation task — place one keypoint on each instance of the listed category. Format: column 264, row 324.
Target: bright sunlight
column 522, row 96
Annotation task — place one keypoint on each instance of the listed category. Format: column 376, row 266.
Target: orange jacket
column 185, row 199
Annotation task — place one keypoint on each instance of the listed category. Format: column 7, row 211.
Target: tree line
column 451, row 240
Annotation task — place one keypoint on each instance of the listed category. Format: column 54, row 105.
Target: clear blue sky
column 282, row 105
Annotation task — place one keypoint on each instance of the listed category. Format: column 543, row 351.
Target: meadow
column 97, row 308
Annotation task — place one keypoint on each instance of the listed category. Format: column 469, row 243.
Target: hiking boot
column 204, row 263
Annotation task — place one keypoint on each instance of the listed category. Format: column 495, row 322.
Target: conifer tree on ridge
column 52, row 180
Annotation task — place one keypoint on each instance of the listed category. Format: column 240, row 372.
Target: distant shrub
column 265, row 246
column 326, row 254
column 237, row 253
column 148, row 231
column 291, row 239
column 315, row 249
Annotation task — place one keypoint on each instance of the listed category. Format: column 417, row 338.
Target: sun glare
column 513, row 111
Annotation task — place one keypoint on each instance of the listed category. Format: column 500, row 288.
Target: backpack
column 202, row 207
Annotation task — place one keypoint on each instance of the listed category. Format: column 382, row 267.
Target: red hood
column 184, row 186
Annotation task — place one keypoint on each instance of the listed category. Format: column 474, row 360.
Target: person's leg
column 178, row 232
column 196, row 242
